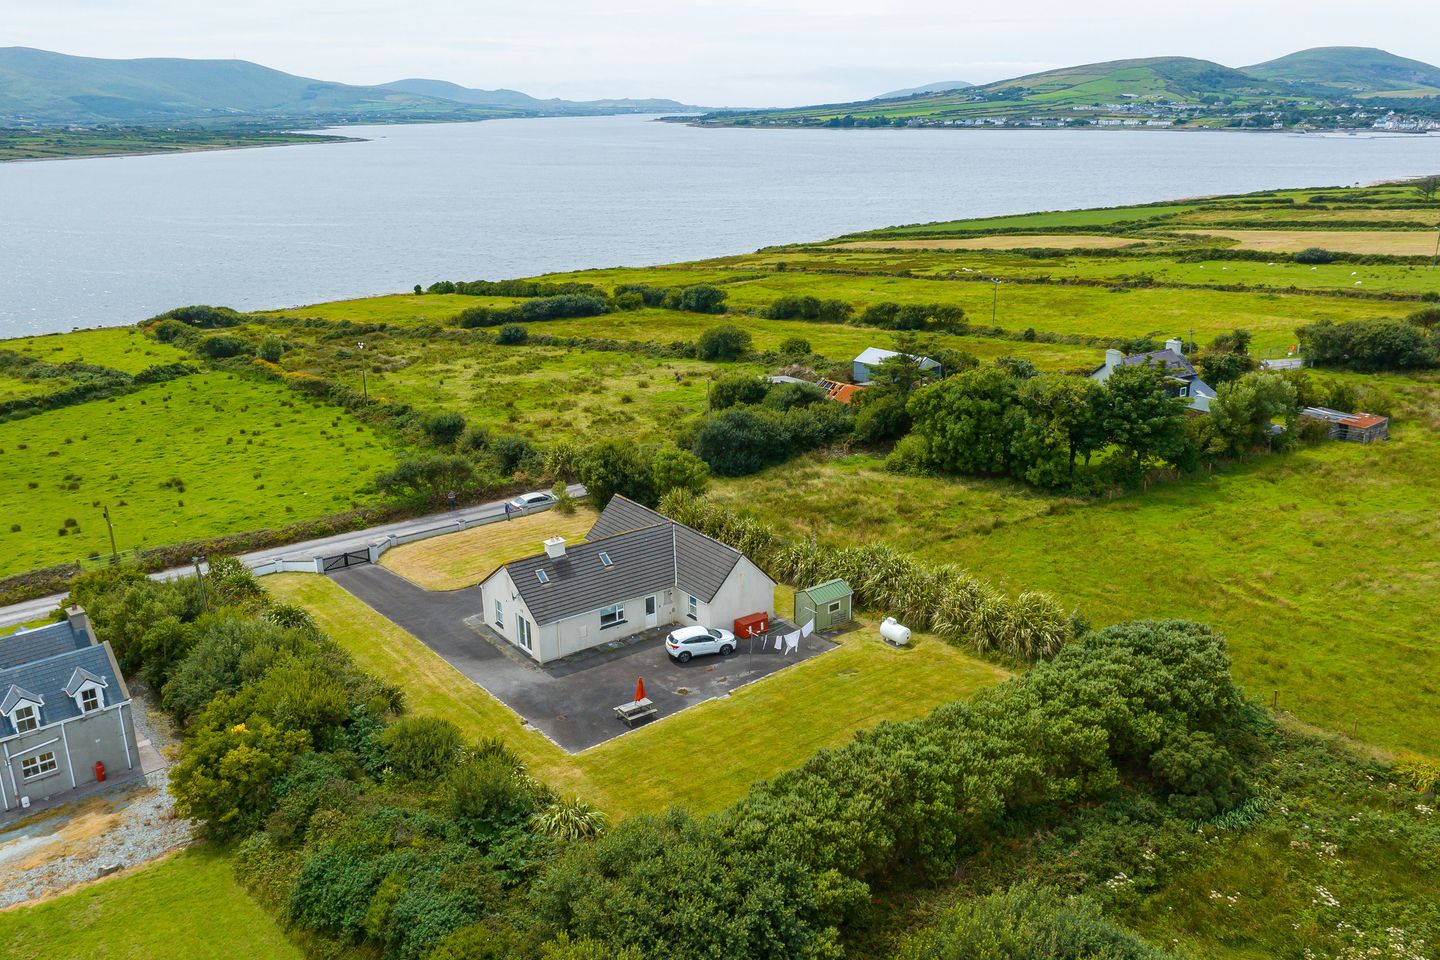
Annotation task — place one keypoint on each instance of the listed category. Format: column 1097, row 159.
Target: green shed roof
column 828, row 592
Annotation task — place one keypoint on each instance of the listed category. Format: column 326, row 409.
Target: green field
column 126, row 349
column 249, row 455
column 185, row 907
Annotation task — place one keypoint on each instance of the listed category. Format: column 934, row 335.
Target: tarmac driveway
column 571, row 701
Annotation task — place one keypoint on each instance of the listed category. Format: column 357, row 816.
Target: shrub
column 811, row 309
column 224, row 776
column 726, row 342
column 737, row 388
column 700, row 298
column 443, row 429
column 572, row 819
column 420, row 748
column 616, row 466
column 1368, row 345
column 271, row 349
column 427, row 477
column 1314, row 255
column 673, row 469
column 564, row 503
column 1026, row 923
column 223, row 345
column 794, row 347
column 489, row 794
column 512, row 334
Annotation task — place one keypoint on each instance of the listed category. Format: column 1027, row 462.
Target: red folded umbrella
column 639, row 689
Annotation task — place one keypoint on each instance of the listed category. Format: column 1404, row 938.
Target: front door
column 651, row 617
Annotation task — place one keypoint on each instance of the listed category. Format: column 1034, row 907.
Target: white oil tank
column 895, row 632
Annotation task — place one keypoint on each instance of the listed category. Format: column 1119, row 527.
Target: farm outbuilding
column 827, row 604
column 1351, row 427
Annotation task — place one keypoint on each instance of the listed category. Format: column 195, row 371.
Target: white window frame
column 499, row 614
column 89, row 690
column 44, row 764
column 692, row 610
column 834, row 606
column 31, row 718
column 617, row 612
column 522, row 631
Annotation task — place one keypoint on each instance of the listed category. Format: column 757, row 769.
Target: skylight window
column 542, row 576
column 605, row 560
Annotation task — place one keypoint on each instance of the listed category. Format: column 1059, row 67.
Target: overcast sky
column 710, row 52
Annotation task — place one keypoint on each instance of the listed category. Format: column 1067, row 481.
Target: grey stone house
column 64, row 707
column 636, row 569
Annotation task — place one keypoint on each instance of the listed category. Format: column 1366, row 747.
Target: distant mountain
column 1359, row 69
column 1153, row 76
column 514, row 99
column 940, row 86
column 38, row 87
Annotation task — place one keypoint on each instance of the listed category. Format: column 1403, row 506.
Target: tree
column 1368, row 345
column 1244, row 412
column 1428, row 188
column 963, row 420
column 616, row 466
column 444, row 428
column 1217, row 367
column 429, row 476
column 725, row 342
column 700, row 298
column 1142, row 416
column 674, row 469
column 1061, row 423
column 225, row 774
column 512, row 334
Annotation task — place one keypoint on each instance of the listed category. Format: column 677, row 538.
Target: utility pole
column 200, row 579
column 114, row 554
column 994, row 298
column 1437, row 247
column 364, row 386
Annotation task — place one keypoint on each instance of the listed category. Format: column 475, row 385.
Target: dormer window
column 87, row 690
column 25, row 717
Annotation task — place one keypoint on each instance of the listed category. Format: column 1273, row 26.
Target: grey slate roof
column 1174, row 363
column 649, row 552
column 30, row 645
column 47, row 679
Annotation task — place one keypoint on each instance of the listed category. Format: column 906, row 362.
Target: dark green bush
column 420, row 748
column 725, row 342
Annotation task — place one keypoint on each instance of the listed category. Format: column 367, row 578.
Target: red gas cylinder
column 100, row 771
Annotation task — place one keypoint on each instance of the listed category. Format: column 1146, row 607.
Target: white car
column 527, row 502
column 690, row 642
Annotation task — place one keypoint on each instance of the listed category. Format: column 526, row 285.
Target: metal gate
column 351, row 558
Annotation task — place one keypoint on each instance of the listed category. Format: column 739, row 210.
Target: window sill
column 40, row 776
column 617, row 623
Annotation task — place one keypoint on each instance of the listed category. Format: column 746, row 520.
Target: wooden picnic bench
column 635, row 711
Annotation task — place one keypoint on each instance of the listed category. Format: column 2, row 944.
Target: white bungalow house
column 636, row 569
column 1182, row 375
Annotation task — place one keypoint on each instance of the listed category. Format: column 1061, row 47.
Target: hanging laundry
column 808, row 629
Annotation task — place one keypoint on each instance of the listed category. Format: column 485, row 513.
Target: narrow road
column 322, row 547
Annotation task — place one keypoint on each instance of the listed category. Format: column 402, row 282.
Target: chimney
column 555, row 548
column 1114, row 357
column 80, row 622
column 1175, row 344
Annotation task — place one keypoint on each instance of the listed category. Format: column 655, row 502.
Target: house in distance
column 637, row 569
column 1182, row 376
column 863, row 366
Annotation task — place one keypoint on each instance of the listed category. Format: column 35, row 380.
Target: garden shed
column 827, row 604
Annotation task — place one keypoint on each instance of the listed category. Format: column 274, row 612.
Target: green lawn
column 249, row 455
column 397, row 308
column 121, row 348
column 695, row 757
column 185, row 907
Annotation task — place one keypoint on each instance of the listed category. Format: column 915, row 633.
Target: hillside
column 1317, row 89
column 939, row 86
column 1359, row 69
column 514, row 99
column 40, row 88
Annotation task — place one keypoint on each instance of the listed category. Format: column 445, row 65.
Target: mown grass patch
column 202, row 456
column 1399, row 243
column 185, row 907
column 461, row 559
column 704, row 757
